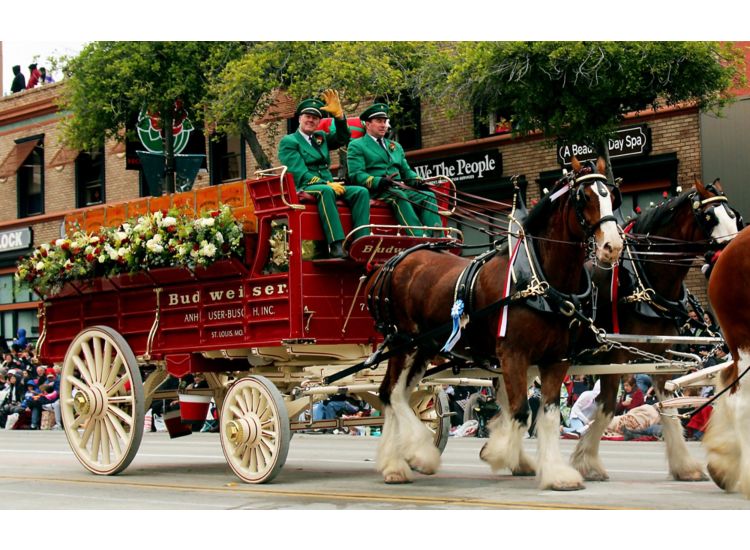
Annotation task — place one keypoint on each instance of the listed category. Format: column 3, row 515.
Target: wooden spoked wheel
column 255, row 429
column 432, row 409
column 101, row 400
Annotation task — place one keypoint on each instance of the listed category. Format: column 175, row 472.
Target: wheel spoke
column 106, row 360
column 121, row 399
column 83, row 369
column 117, row 425
column 114, row 371
column 96, row 343
column 254, row 459
column 90, row 362
column 96, row 440
column 236, row 411
column 105, row 440
column 114, row 435
column 87, row 432
column 122, row 415
column 118, row 385
column 246, row 456
column 77, row 422
column 77, row 383
column 244, row 400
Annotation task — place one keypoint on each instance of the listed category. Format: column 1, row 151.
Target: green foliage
column 110, row 81
column 580, row 90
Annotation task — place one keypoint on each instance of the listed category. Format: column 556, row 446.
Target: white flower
column 40, row 266
column 219, row 238
column 208, row 250
column 103, row 258
column 121, row 235
column 59, row 242
column 204, row 222
column 122, row 251
column 94, row 240
column 169, row 221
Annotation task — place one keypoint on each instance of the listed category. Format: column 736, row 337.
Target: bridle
column 580, row 199
column 705, row 215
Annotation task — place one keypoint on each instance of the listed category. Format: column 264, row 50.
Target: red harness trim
column 614, row 287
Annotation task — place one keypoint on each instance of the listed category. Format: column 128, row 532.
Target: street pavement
column 331, row 472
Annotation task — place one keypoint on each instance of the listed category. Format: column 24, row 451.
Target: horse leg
column 585, row 457
column 553, row 472
column 682, row 466
column 504, row 449
column 722, row 439
column 526, row 465
column 405, row 443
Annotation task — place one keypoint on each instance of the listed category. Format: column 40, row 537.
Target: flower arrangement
column 159, row 239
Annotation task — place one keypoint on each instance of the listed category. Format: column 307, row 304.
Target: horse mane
column 660, row 215
column 540, row 213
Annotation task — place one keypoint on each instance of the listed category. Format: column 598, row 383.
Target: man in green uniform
column 306, row 155
column 377, row 163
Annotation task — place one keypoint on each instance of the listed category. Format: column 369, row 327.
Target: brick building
column 42, row 181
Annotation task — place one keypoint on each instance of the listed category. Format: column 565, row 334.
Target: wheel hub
column 244, row 430
column 81, row 403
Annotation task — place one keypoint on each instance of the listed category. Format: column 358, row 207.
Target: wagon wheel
column 254, row 429
column 101, row 400
column 432, row 409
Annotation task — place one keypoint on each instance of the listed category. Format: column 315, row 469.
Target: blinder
column 602, row 188
column 704, row 211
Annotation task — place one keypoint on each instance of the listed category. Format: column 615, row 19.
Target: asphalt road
column 329, row 472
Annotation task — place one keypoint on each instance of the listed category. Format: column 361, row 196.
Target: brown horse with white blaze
column 727, row 438
column 649, row 301
column 417, row 296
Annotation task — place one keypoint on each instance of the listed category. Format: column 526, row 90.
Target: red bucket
column 174, row 424
column 194, row 408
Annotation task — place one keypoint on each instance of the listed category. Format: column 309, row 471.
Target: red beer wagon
column 265, row 330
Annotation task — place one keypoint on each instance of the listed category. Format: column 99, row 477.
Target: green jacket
column 368, row 162
column 310, row 164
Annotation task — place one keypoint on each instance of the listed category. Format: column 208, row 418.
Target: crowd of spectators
column 27, row 389
column 37, row 77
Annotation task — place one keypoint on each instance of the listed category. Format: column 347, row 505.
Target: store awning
column 17, row 157
column 64, row 156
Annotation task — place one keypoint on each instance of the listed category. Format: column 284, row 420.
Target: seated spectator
column 34, row 75
column 333, row 407
column 47, row 396
column 45, row 78
column 643, row 421
column 633, row 397
column 21, row 340
column 13, row 398
column 582, row 413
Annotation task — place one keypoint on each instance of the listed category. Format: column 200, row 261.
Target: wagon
column 268, row 331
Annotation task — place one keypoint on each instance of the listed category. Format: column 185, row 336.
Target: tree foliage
column 245, row 89
column 109, row 82
column 581, row 90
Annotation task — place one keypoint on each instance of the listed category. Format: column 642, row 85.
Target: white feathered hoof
column 426, row 461
column 694, row 474
column 397, row 474
column 495, row 457
column 592, row 472
column 721, row 477
column 526, row 467
column 561, row 479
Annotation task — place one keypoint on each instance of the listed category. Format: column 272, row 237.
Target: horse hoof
column 567, row 486
column 596, row 476
column 396, row 479
column 691, row 476
column 717, row 477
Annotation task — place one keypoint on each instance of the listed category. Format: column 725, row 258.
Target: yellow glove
column 338, row 188
column 333, row 104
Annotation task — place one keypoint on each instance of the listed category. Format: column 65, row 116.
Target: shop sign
column 475, row 167
column 15, row 239
column 628, row 142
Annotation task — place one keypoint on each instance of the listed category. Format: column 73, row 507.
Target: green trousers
column 358, row 199
column 414, row 208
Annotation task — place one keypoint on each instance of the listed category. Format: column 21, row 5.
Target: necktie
column 380, row 141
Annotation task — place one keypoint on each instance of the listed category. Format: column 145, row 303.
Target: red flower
column 44, row 253
column 665, row 194
column 90, row 257
column 637, row 209
column 65, row 245
column 196, row 246
column 215, row 214
column 171, row 229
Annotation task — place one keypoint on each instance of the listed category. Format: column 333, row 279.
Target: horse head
column 718, row 221
column 594, row 205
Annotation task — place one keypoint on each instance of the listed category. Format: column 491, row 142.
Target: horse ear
column 700, row 188
column 575, row 164
column 601, row 166
column 717, row 185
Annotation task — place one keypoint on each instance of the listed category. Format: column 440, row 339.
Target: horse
column 649, row 301
column 727, row 437
column 414, row 294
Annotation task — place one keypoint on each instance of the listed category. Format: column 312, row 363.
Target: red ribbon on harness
column 614, row 286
